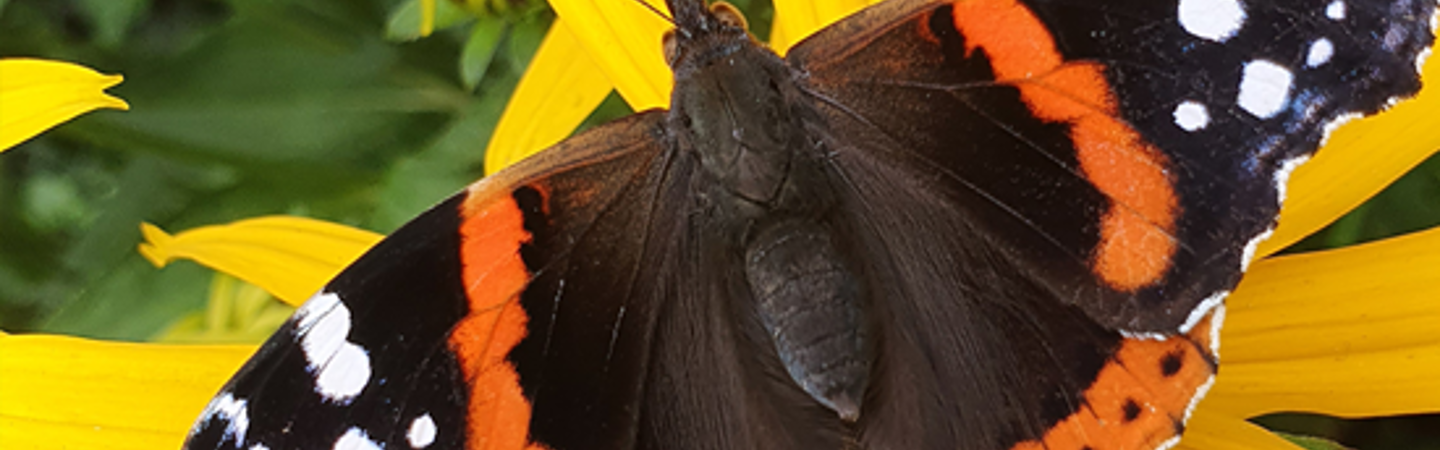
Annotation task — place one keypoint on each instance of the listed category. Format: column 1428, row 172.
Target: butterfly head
column 702, row 34
column 732, row 101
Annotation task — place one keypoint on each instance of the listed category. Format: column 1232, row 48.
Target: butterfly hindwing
column 1077, row 182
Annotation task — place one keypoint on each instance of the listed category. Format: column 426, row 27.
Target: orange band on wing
column 494, row 274
column 1136, row 245
column 1141, row 397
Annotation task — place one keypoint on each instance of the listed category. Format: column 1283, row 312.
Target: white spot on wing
column 343, row 376
column 1194, row 401
column 1191, row 115
column 1264, row 88
column 317, row 304
column 1282, row 176
column 422, row 432
column 1216, row 300
column 355, row 439
column 1335, row 124
column 1209, row 303
column 1422, row 57
column 1335, row 10
column 259, row 447
column 341, row 368
column 1320, row 52
column 1282, row 182
column 233, row 412
column 1216, row 20
column 1250, row 248
column 1215, row 324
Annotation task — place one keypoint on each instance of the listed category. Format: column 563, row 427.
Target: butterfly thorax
column 736, row 110
column 732, row 107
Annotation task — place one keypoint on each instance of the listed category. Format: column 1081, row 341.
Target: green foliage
column 239, row 109
column 237, row 312
column 1312, row 443
column 1411, row 204
column 404, row 22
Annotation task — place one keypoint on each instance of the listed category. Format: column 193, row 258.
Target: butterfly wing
column 408, row 347
column 1059, row 193
column 563, row 303
column 1127, row 155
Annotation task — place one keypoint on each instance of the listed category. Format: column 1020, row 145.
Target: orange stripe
column 1135, row 376
column 1135, row 235
column 491, row 234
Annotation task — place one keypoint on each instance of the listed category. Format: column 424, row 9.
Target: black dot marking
column 1171, row 363
column 1132, row 410
column 1087, row 448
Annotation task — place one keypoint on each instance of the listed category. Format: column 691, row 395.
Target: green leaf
column 237, row 313
column 524, row 39
column 1311, row 442
column 479, row 49
column 131, row 301
column 286, row 89
column 112, row 18
column 454, row 160
column 404, row 22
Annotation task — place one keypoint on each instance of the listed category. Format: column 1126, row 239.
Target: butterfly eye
column 729, row 16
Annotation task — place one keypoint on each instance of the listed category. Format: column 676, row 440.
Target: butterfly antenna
column 655, row 10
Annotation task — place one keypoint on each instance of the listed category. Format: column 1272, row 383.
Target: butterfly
column 989, row 224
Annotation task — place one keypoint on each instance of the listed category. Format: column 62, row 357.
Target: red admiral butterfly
column 995, row 224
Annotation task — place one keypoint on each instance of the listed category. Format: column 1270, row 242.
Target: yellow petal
column 37, row 94
column 291, row 257
column 69, row 393
column 1210, row 430
column 559, row 90
column 236, row 313
column 1361, row 158
column 1375, row 296
column 795, row 20
column 1348, row 384
column 1348, row 332
column 624, row 41
column 427, row 17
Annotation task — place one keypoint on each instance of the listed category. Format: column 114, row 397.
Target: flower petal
column 559, row 90
column 66, row 393
column 624, row 41
column 237, row 313
column 1360, row 159
column 37, row 94
column 427, row 17
column 291, row 257
column 1347, row 332
column 796, row 20
column 1210, row 430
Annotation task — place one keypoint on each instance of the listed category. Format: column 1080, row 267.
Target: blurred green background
column 330, row 109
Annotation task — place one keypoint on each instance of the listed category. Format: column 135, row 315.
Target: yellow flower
column 1347, row 332
column 36, row 95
